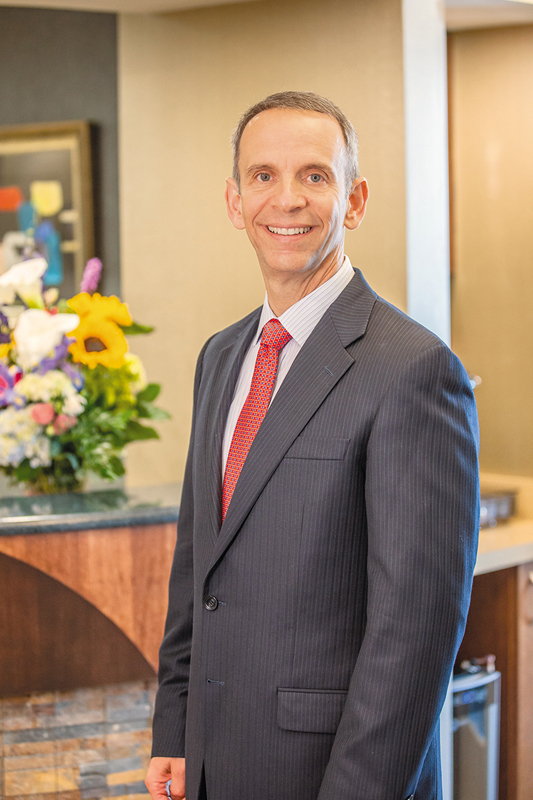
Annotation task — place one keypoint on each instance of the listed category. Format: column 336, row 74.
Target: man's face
column 293, row 200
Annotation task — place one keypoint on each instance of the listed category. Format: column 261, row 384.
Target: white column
column 426, row 149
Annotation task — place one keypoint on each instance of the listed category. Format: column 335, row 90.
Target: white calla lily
column 24, row 280
column 37, row 333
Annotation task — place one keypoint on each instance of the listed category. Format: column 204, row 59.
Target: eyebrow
column 270, row 168
column 322, row 167
column 259, row 168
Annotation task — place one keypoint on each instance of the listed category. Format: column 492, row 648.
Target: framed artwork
column 46, row 204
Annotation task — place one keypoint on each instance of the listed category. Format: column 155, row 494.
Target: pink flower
column 43, row 413
column 91, row 276
column 63, row 423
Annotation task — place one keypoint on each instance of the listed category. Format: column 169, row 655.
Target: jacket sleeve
column 422, row 504
column 175, row 651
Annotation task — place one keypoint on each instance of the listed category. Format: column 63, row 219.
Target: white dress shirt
column 299, row 320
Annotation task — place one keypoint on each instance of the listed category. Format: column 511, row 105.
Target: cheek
column 333, row 216
column 252, row 208
column 248, row 216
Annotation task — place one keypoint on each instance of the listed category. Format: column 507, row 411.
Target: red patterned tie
column 273, row 340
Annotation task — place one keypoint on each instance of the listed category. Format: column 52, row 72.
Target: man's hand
column 160, row 772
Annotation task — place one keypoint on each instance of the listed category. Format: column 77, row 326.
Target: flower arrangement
column 71, row 395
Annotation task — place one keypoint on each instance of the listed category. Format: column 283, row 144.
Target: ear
column 234, row 204
column 356, row 204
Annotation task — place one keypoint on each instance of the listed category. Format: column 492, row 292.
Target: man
column 326, row 545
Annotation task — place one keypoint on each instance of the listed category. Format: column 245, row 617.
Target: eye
column 263, row 177
column 315, row 177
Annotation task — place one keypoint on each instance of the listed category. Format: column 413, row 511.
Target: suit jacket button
column 211, row 603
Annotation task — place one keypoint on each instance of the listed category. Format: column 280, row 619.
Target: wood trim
column 43, row 129
column 51, row 639
column 525, row 683
column 123, row 572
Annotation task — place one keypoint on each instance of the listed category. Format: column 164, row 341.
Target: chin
column 289, row 262
column 288, row 265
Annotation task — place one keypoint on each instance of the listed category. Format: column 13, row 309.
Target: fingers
column 162, row 771
column 177, row 787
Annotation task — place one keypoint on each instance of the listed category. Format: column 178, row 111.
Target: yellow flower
column 138, row 371
column 99, row 340
column 4, row 349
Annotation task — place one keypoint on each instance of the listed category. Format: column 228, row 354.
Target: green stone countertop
column 109, row 508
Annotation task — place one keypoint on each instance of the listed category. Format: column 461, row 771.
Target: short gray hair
column 301, row 101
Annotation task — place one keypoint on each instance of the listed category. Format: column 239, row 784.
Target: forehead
column 286, row 133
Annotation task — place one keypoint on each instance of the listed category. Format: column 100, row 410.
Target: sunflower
column 99, row 339
column 4, row 349
column 6, row 338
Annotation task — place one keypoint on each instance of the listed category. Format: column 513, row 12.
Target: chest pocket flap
column 319, row 447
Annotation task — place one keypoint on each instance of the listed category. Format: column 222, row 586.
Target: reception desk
column 84, row 586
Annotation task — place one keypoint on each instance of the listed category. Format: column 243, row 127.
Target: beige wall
column 184, row 80
column 492, row 297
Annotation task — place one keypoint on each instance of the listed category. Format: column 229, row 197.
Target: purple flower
column 60, row 354
column 73, row 375
column 8, row 378
column 5, row 334
column 91, row 275
column 59, row 360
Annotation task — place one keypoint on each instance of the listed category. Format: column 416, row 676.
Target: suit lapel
column 320, row 364
column 220, row 394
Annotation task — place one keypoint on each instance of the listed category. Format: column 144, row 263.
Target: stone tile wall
column 83, row 745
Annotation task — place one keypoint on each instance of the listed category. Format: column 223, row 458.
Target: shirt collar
column 301, row 318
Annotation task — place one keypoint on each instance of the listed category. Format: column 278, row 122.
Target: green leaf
column 135, row 328
column 63, row 308
column 110, row 396
column 149, row 393
column 74, row 463
column 118, row 439
column 117, row 466
column 109, row 388
column 24, row 472
column 137, row 432
column 149, row 411
column 106, row 421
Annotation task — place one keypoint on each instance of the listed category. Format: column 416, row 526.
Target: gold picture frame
column 46, row 178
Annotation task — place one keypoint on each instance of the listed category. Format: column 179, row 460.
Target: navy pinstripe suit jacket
column 338, row 584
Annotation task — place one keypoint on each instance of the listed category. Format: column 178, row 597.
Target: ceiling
column 460, row 14
column 124, row 6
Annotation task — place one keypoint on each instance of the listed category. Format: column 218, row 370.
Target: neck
column 285, row 289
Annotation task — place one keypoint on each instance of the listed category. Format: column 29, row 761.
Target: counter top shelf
column 506, row 545
column 110, row 508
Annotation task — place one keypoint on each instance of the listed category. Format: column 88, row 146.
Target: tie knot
column 274, row 335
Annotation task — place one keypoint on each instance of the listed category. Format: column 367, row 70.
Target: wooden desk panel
column 123, row 572
column 51, row 639
column 524, row 678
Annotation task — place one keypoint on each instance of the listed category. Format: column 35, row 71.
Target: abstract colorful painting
column 46, row 199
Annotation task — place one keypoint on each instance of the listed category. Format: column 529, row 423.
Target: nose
column 289, row 195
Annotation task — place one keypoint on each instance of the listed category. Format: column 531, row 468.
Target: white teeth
column 288, row 231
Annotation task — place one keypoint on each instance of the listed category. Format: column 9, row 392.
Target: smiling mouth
column 288, row 231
